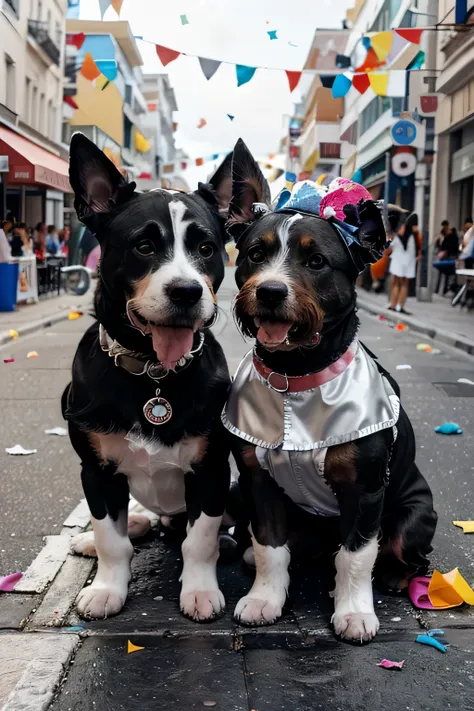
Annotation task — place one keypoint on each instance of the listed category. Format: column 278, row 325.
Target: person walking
column 403, row 260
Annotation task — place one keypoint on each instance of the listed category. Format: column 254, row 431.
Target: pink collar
column 300, row 383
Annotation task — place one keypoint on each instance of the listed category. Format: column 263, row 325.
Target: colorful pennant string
column 381, row 43
column 107, row 67
column 166, row 55
column 209, row 66
column 244, row 74
column 379, row 83
column 89, row 68
column 341, row 86
column 293, row 79
column 76, row 39
column 412, row 35
column 361, row 82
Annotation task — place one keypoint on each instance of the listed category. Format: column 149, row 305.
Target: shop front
column 33, row 188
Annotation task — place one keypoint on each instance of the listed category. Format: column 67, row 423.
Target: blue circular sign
column 404, row 132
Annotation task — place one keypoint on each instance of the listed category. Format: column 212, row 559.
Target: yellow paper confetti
column 467, row 526
column 73, row 315
column 449, row 589
column 32, row 354
column 133, row 647
column 13, row 334
column 422, row 347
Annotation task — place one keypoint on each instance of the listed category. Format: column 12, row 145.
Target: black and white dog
column 320, row 435
column 149, row 380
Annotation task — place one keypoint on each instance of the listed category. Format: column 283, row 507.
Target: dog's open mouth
column 272, row 333
column 170, row 341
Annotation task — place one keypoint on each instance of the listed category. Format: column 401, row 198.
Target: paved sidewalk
column 438, row 319
column 28, row 318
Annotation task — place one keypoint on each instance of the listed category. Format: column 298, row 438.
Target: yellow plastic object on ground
column 73, row 315
column 467, row 526
column 133, row 647
column 13, row 334
column 449, row 590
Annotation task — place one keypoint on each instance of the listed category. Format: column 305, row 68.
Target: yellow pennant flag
column 378, row 82
column 133, row 647
column 381, row 43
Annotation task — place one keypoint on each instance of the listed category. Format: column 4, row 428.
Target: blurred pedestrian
column 447, row 244
column 52, row 240
column 5, row 253
column 403, row 259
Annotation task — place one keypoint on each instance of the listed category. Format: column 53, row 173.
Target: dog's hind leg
column 266, row 503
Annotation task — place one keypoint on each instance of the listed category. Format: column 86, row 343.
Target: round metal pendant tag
column 157, row 411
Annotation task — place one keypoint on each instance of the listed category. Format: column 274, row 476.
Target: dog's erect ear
column 98, row 185
column 248, row 185
column 218, row 190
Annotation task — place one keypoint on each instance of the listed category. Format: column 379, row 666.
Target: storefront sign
column 463, row 163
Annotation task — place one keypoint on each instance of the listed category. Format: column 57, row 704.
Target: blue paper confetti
column 431, row 642
column 449, row 428
column 231, row 117
column 272, row 34
column 184, row 20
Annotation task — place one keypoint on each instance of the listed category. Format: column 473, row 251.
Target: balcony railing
column 39, row 31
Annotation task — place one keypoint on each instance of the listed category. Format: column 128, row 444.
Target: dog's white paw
column 96, row 603
column 256, row 611
column 356, row 626
column 84, row 544
column 202, row 605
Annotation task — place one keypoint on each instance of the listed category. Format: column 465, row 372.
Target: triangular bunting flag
column 397, row 79
column 209, row 66
column 293, row 79
column 76, row 39
column 117, row 5
column 398, row 44
column 327, row 80
column 166, row 55
column 107, row 67
column 104, row 6
column 341, row 86
column 418, row 61
column 361, row 82
column 412, row 35
column 370, row 62
column 89, row 68
column 381, row 44
column 378, row 83
column 70, row 101
column 133, row 647
column 244, row 73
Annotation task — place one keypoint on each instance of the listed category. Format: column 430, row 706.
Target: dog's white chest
column 155, row 472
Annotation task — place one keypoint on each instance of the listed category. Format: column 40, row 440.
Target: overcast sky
column 233, row 31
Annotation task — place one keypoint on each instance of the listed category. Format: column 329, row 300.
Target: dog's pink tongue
column 274, row 333
column 171, row 344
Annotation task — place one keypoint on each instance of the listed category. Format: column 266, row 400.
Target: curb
column 449, row 338
column 33, row 327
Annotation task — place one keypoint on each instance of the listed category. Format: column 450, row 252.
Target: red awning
column 30, row 164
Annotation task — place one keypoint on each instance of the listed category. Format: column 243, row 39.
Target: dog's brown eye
column 206, row 250
column 146, row 248
column 316, row 261
column 256, row 255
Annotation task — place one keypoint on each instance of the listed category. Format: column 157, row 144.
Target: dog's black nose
column 272, row 293
column 185, row 293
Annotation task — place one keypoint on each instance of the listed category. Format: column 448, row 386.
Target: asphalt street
column 297, row 664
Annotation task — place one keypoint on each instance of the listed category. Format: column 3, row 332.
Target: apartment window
column 41, row 114
column 330, row 150
column 372, row 112
column 49, row 118
column 27, row 102
column 34, row 108
column 127, row 132
column 128, row 94
column 57, row 34
column 10, row 97
column 40, row 9
column 48, row 22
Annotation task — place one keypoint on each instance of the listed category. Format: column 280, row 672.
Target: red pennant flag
column 69, row 100
column 370, row 62
column 410, row 35
column 166, row 55
column 293, row 79
column 76, row 39
column 361, row 82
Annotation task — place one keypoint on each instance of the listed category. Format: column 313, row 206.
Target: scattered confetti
column 403, row 366
column 73, row 628
column 292, row 44
column 202, row 123
column 431, row 642
column 232, row 118
column 8, row 360
column 466, row 381
column 382, row 318
column 209, row 704
column 8, row 582
column 13, row 334
column 401, row 327
column 32, row 354
column 73, row 315
column 435, row 351
column 387, row 664
column 272, row 34
column 422, row 346
column 184, row 20
column 449, row 589
column 396, row 619
column 448, row 428
column 133, row 647
column 467, row 526
column 18, row 449
column 60, row 431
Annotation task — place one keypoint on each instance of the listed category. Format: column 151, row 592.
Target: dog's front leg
column 206, row 491
column 358, row 481
column 265, row 501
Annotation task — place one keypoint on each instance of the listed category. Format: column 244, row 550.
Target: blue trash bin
column 8, row 286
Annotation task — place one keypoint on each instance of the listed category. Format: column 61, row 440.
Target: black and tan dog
column 319, row 431
column 149, row 379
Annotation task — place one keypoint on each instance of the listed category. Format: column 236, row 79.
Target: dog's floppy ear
column 98, row 185
column 218, row 191
column 248, row 185
column 369, row 217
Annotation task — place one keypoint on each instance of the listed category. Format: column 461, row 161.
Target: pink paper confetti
column 8, row 582
column 8, row 360
column 387, row 664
